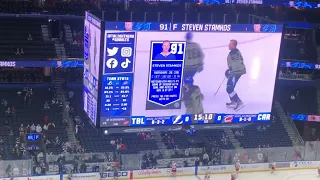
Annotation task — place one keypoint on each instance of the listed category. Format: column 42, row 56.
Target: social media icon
column 126, row 52
column 113, row 51
column 112, row 63
column 125, row 64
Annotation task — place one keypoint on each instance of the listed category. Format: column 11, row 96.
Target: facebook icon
column 112, row 63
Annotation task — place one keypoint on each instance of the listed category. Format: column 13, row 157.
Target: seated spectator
column 77, row 128
column 46, row 120
column 13, row 111
column 57, row 141
column 29, row 38
column 38, row 129
column 27, row 129
column 17, row 52
column 186, row 152
column 70, row 94
column 46, row 106
column 33, row 128
column 4, row 103
column 112, row 142
column 45, row 127
column 8, row 111
column 53, row 101
column 21, row 129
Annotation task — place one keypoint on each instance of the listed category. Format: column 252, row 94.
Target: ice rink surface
column 280, row 175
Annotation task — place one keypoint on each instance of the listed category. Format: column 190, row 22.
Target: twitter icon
column 113, row 51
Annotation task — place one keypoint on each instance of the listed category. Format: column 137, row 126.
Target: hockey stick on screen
column 219, row 86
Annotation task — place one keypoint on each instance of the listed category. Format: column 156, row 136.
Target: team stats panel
column 164, row 74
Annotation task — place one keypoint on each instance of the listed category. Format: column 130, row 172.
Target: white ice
column 280, row 175
column 259, row 50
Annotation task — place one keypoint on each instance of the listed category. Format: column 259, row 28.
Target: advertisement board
column 121, row 175
column 304, row 164
column 165, row 172
column 49, row 177
column 83, row 176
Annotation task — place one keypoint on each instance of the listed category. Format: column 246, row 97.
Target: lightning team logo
column 181, row 119
column 177, row 120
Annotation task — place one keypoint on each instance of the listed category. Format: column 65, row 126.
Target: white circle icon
column 112, row 63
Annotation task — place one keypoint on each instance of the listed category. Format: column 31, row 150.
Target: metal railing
column 14, row 168
column 308, row 152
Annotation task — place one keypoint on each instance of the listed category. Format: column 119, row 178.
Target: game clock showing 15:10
column 206, row 117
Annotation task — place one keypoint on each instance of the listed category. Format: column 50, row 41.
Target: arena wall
column 185, row 171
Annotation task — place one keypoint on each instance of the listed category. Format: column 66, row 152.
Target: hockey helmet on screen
column 189, row 36
column 188, row 80
column 227, row 73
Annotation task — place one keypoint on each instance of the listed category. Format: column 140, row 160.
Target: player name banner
column 165, row 75
column 217, row 28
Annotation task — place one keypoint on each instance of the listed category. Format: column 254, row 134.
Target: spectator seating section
column 95, row 141
column 17, row 7
column 33, row 114
column 25, row 75
column 305, row 102
column 265, row 135
column 183, row 140
column 13, row 35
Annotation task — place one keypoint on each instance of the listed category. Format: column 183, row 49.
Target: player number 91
column 176, row 48
column 163, row 27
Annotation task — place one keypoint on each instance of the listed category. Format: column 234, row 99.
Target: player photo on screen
column 222, row 72
column 94, row 34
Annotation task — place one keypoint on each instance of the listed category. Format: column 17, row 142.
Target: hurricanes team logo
column 228, row 119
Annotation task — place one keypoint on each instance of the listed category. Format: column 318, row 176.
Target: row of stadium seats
column 29, row 109
column 14, row 42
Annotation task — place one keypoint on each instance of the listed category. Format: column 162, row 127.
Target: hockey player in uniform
column 193, row 58
column 192, row 97
column 174, row 168
column 236, row 69
column 207, row 175
column 273, row 166
column 115, row 172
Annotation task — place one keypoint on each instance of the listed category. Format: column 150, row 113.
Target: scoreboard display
column 165, row 73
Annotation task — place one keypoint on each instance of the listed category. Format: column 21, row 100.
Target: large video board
column 165, row 73
column 92, row 38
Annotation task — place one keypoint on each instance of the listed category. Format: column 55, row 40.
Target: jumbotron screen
column 166, row 73
column 92, row 38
